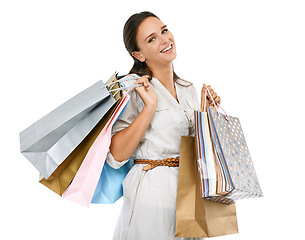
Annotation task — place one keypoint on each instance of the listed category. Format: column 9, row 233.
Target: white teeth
column 166, row 49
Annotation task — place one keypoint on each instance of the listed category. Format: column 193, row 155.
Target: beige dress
column 149, row 198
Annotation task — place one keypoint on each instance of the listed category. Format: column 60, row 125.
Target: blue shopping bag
column 109, row 188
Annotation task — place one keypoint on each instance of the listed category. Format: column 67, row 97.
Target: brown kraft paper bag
column 197, row 217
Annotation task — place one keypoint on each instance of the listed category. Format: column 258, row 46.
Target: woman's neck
column 165, row 75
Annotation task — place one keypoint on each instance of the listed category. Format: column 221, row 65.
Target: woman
column 159, row 113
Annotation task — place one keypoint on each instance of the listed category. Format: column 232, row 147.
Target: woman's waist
column 150, row 163
column 145, row 152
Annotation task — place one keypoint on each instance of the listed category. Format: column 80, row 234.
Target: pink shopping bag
column 83, row 186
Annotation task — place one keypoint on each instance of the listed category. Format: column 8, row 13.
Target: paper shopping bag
column 109, row 188
column 232, row 149
column 61, row 178
column 197, row 217
column 64, row 174
column 50, row 140
column 83, row 186
column 205, row 155
column 212, row 171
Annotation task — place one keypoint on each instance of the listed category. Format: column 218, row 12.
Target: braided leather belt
column 170, row 162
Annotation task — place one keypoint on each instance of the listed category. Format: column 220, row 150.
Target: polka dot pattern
column 237, row 157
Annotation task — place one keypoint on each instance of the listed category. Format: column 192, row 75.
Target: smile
column 167, row 49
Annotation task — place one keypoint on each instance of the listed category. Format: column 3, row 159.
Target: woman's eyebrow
column 154, row 33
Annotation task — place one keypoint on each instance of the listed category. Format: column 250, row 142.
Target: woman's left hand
column 215, row 97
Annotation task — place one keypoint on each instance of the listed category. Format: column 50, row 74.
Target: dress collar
column 166, row 93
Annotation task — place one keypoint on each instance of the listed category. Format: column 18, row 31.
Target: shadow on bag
column 197, row 217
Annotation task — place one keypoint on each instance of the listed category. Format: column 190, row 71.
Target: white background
column 251, row 52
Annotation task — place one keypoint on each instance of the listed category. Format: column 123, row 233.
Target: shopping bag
column 197, row 217
column 64, row 174
column 61, row 178
column 83, row 186
column 212, row 171
column 205, row 155
column 109, row 188
column 231, row 145
column 50, row 140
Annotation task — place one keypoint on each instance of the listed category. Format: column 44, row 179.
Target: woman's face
column 156, row 43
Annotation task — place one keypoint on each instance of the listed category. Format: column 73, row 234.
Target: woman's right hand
column 146, row 93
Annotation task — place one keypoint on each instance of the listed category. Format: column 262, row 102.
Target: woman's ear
column 138, row 55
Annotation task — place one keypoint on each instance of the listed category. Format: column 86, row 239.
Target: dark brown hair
column 129, row 35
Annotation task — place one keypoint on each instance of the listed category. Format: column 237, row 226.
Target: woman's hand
column 146, row 93
column 124, row 143
column 216, row 98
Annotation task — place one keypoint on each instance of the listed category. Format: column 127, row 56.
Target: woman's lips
column 168, row 49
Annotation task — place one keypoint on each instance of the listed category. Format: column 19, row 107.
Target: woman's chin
column 170, row 57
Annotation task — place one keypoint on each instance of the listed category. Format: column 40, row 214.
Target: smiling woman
column 146, row 30
column 149, row 130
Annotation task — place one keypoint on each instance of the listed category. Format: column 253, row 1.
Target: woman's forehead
column 149, row 26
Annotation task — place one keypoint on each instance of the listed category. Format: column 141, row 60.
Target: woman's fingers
column 146, row 92
column 202, row 92
column 214, row 95
column 217, row 101
column 211, row 91
column 204, row 87
column 143, row 80
column 210, row 96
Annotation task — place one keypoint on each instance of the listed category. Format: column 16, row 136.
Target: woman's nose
column 164, row 40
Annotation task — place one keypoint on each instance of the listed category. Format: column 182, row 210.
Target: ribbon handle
column 122, row 79
column 122, row 86
column 217, row 106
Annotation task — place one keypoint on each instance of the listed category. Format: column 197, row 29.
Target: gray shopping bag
column 50, row 140
column 233, row 152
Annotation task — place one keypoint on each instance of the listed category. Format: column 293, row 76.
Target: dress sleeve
column 129, row 114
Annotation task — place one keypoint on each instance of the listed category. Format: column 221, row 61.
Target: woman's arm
column 125, row 142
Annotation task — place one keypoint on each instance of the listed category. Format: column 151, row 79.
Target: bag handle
column 122, row 79
column 217, row 106
column 122, row 86
column 205, row 100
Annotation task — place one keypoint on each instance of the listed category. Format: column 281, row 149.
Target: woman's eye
column 164, row 31
column 151, row 39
